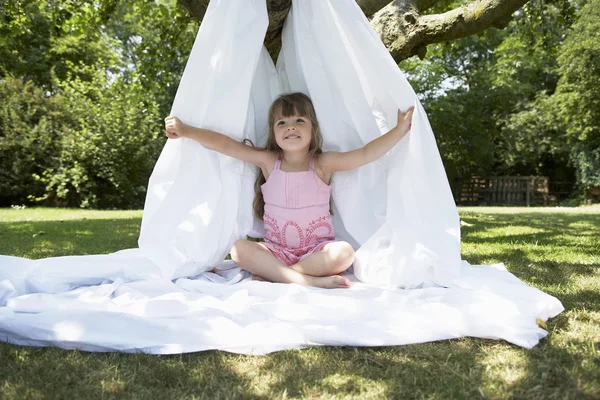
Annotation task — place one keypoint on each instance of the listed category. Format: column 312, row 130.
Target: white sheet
column 397, row 212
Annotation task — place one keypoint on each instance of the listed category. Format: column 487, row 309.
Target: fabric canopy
column 409, row 283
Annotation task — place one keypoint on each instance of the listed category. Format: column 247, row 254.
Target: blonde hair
column 285, row 106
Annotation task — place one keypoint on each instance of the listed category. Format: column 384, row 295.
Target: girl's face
column 293, row 133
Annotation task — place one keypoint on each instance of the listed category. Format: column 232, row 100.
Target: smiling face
column 293, row 132
column 293, row 125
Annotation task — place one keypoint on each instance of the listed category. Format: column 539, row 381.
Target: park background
column 84, row 88
column 85, row 85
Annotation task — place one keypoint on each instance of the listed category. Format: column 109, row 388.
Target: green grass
column 556, row 250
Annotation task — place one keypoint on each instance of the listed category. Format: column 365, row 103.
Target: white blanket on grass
column 409, row 283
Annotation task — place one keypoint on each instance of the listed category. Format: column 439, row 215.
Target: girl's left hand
column 405, row 120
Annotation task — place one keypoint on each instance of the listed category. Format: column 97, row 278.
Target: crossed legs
column 320, row 269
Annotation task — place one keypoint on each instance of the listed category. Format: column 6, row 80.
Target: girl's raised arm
column 216, row 141
column 335, row 161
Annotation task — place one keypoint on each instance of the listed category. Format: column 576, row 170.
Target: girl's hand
column 405, row 120
column 174, row 128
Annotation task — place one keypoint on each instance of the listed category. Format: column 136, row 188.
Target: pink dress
column 297, row 218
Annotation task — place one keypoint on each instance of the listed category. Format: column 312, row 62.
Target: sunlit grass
column 556, row 250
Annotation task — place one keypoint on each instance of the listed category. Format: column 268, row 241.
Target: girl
column 293, row 192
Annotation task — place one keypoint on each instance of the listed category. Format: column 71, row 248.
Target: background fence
column 506, row 190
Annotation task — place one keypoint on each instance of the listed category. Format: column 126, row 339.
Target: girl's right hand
column 174, row 128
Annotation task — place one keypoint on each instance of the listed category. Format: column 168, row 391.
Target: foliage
column 563, row 121
column 79, row 146
column 577, row 97
column 110, row 147
column 488, row 96
column 156, row 38
column 453, row 83
column 42, row 38
column 31, row 126
column 87, row 84
column 514, row 101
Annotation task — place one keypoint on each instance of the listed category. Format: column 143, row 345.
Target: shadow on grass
column 56, row 373
column 449, row 369
column 554, row 372
column 41, row 239
column 531, row 256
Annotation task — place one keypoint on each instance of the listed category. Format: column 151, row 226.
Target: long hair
column 287, row 105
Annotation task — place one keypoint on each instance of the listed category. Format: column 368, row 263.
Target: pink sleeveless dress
column 297, row 218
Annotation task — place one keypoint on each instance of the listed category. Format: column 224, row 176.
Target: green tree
column 156, row 39
column 481, row 94
column 31, row 127
column 81, row 124
column 42, row 38
column 110, row 147
column 577, row 97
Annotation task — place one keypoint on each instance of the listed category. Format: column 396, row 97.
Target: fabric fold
column 190, row 212
column 409, row 283
column 398, row 211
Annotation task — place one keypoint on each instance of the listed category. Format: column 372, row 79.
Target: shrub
column 108, row 152
column 31, row 126
column 91, row 144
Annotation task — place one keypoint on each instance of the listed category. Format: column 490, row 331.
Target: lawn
column 555, row 250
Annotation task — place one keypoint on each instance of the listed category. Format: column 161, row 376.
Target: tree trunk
column 402, row 25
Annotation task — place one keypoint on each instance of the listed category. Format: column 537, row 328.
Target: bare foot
column 330, row 282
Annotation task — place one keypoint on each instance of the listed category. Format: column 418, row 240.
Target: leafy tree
column 31, row 125
column 82, row 125
column 560, row 126
column 577, row 97
column 527, row 69
column 156, row 38
column 482, row 95
column 42, row 38
column 84, row 86
column 110, row 146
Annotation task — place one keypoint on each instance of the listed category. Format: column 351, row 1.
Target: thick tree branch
column 198, row 7
column 399, row 23
column 278, row 10
column 406, row 33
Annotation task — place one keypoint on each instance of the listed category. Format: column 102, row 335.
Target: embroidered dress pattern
column 297, row 219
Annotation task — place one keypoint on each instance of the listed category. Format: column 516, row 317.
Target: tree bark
column 400, row 24
column 405, row 32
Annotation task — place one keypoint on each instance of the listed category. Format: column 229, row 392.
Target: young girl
column 293, row 192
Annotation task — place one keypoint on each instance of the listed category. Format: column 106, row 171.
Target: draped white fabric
column 397, row 212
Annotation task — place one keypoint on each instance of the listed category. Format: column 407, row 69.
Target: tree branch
column 402, row 28
column 406, row 33
column 198, row 7
column 278, row 10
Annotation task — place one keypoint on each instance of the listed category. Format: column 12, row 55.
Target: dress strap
column 277, row 164
column 311, row 165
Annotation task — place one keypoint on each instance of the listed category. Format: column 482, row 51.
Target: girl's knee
column 238, row 250
column 341, row 255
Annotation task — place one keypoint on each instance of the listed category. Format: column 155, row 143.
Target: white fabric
column 398, row 213
column 399, row 209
